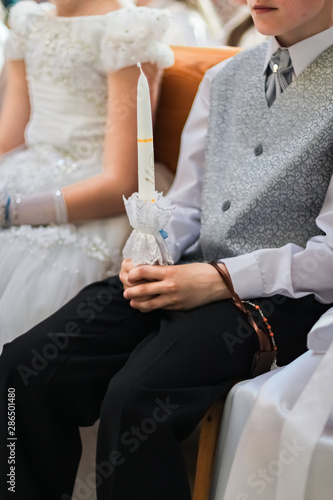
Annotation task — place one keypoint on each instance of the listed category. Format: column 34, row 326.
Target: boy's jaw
column 264, row 14
column 291, row 22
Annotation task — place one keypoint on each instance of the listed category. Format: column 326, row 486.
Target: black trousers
column 148, row 377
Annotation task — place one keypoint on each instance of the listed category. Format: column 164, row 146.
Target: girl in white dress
column 68, row 139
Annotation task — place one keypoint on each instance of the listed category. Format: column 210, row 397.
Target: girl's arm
column 101, row 196
column 15, row 112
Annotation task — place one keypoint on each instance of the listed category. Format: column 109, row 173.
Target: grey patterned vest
column 267, row 170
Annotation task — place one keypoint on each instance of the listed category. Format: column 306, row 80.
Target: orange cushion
column 179, row 87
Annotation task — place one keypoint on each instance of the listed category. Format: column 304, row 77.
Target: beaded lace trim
column 57, row 236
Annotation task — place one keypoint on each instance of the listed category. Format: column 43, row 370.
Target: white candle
column 145, row 140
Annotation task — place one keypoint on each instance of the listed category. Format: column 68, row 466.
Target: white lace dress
column 67, row 61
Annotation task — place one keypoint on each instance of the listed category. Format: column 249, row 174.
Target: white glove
column 35, row 210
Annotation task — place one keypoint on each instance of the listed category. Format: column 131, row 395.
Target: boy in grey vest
column 150, row 352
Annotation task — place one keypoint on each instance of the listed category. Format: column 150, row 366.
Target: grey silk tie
column 279, row 74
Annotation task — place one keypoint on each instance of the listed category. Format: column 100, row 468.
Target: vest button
column 226, row 206
column 258, row 150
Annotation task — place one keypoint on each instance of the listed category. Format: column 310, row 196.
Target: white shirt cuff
column 245, row 275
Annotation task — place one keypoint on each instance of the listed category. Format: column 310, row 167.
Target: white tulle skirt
column 41, row 268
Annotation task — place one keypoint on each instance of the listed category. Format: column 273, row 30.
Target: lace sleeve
column 19, row 23
column 136, row 35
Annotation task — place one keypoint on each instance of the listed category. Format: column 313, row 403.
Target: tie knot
column 278, row 75
column 280, row 61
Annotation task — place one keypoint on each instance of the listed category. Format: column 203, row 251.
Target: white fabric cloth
column 320, row 337
column 67, row 60
column 276, row 438
column 290, row 270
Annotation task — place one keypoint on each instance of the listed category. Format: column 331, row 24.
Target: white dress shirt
column 290, row 270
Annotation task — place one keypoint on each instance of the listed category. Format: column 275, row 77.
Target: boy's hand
column 181, row 287
column 126, row 266
column 128, row 278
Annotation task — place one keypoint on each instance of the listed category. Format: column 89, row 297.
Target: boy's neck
column 284, row 41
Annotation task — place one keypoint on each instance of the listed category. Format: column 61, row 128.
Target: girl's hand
column 181, row 287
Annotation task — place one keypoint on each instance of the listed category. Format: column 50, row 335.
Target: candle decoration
column 148, row 211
